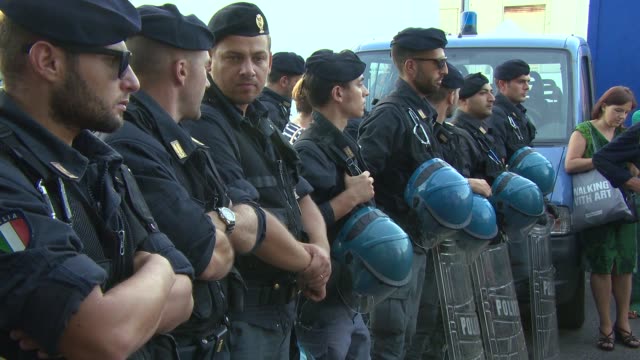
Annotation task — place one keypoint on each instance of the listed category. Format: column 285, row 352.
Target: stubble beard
column 75, row 105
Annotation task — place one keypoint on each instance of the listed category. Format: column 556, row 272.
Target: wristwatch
column 228, row 217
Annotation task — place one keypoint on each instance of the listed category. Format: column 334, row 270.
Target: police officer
column 395, row 139
column 331, row 163
column 286, row 69
column 429, row 341
column 257, row 163
column 474, row 108
column 86, row 273
column 186, row 194
column 513, row 128
column 454, row 150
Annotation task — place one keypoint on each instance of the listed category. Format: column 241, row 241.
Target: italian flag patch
column 15, row 233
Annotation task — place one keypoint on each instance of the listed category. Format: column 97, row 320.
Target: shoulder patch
column 15, row 232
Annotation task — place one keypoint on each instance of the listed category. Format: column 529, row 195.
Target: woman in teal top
column 610, row 249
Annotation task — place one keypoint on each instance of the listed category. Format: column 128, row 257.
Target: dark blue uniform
column 65, row 246
column 257, row 163
column 479, row 144
column 612, row 158
column 278, row 106
column 395, row 139
column 181, row 185
column 329, row 329
column 513, row 128
column 453, row 147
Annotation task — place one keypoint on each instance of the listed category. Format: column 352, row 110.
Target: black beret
column 243, row 19
column 511, row 69
column 340, row 67
column 167, row 25
column 420, row 39
column 75, row 22
column 472, row 84
column 288, row 63
column 453, row 79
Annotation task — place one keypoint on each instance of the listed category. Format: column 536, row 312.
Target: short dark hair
column 400, row 55
column 14, row 40
column 617, row 95
column 439, row 95
column 275, row 76
column 146, row 55
column 318, row 89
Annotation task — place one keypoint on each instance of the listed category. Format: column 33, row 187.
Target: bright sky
column 304, row 26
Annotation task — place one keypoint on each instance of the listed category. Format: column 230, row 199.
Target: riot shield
column 518, row 245
column 497, row 305
column 544, row 324
column 455, row 289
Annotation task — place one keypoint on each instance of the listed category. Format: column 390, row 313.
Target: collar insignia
column 197, row 141
column 63, row 170
column 177, row 148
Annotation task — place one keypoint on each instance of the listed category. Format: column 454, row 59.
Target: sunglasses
column 441, row 63
column 123, row 56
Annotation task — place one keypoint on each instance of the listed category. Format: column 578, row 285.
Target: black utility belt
column 278, row 293
column 204, row 347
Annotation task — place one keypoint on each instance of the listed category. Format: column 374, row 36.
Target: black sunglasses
column 123, row 56
column 441, row 63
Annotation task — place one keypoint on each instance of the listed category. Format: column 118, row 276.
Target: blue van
column 561, row 96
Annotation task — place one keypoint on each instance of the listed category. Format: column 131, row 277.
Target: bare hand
column 633, row 184
column 313, row 279
column 480, row 187
column 360, row 186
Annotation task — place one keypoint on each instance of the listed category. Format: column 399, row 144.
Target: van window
column 548, row 100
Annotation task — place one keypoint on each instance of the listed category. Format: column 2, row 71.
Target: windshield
column 548, row 102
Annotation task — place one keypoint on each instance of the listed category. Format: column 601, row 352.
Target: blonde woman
column 302, row 120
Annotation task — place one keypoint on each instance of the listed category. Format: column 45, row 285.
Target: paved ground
column 580, row 344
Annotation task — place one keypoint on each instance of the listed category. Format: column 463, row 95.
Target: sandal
column 626, row 338
column 605, row 342
column 633, row 314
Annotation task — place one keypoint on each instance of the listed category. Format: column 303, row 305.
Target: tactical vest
column 111, row 248
column 520, row 130
column 423, row 147
column 448, row 138
column 341, row 154
column 269, row 164
column 421, row 129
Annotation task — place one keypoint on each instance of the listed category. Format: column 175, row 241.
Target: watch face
column 228, row 214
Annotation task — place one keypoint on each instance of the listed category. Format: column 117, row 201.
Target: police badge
column 260, row 23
